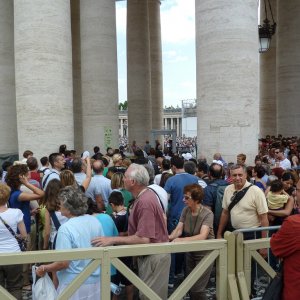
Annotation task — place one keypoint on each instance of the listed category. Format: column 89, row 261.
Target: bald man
column 99, row 188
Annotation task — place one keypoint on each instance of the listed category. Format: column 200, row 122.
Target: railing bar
column 105, row 276
column 257, row 229
column 49, row 256
column 198, row 271
column 5, row 295
column 258, row 258
column 221, row 274
column 123, row 251
column 135, row 280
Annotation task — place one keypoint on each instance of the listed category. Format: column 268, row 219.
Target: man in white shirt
column 284, row 163
column 58, row 163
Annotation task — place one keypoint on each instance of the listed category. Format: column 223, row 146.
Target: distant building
column 183, row 120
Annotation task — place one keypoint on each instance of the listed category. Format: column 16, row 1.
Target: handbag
column 21, row 241
column 43, row 288
column 274, row 290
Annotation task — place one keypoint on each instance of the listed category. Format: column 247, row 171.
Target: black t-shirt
column 121, row 221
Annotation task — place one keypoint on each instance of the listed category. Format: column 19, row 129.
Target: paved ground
column 260, row 284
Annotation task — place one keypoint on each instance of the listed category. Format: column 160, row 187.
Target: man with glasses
column 283, row 162
column 250, row 209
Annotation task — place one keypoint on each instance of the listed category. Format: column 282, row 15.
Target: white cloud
column 173, row 56
column 178, row 21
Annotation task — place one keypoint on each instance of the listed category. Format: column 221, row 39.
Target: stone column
column 99, row 74
column 8, row 118
column 178, row 126
column 138, row 72
column 227, row 78
column 156, row 64
column 121, row 132
column 43, row 67
column 267, row 76
column 76, row 58
column 288, row 68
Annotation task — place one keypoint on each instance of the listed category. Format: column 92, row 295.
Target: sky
column 178, row 50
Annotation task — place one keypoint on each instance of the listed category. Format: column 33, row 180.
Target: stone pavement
column 260, row 284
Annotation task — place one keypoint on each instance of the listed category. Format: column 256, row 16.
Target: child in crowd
column 120, row 216
column 276, row 197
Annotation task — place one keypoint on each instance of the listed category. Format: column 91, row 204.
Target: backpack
column 57, row 225
column 42, row 172
column 217, row 207
column 46, row 179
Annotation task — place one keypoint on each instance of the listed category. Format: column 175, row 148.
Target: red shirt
column 286, row 244
column 147, row 220
column 35, row 175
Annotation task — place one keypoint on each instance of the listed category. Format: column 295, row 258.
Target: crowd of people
column 149, row 195
column 183, row 144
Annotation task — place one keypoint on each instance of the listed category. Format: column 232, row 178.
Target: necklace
column 191, row 221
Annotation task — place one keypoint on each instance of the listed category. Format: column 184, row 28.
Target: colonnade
column 58, row 75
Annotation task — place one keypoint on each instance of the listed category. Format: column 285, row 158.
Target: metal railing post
column 233, row 293
column 243, row 290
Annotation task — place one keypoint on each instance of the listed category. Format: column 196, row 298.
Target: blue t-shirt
column 174, row 186
column 108, row 225
column 260, row 185
column 109, row 229
column 24, row 206
column 77, row 233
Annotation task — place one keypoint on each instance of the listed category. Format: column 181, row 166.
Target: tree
column 123, row 106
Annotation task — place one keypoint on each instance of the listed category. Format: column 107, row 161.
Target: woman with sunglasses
column 196, row 223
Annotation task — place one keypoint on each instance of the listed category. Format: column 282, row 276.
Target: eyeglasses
column 187, row 197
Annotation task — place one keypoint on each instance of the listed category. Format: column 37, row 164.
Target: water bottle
column 115, row 289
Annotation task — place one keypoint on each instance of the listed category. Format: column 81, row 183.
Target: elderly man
column 146, row 225
column 246, row 206
column 250, row 211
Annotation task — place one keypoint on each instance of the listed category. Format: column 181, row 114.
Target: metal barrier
column 105, row 256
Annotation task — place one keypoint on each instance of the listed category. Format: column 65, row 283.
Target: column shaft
column 76, row 59
column 267, row 87
column 138, row 72
column 43, row 67
column 8, row 119
column 156, row 64
column 288, row 68
column 99, row 73
column 227, row 77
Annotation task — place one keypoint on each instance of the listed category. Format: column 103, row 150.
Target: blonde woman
column 10, row 276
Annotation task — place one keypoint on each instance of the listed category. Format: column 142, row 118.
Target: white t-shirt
column 61, row 219
column 285, row 164
column 163, row 195
column 8, row 243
